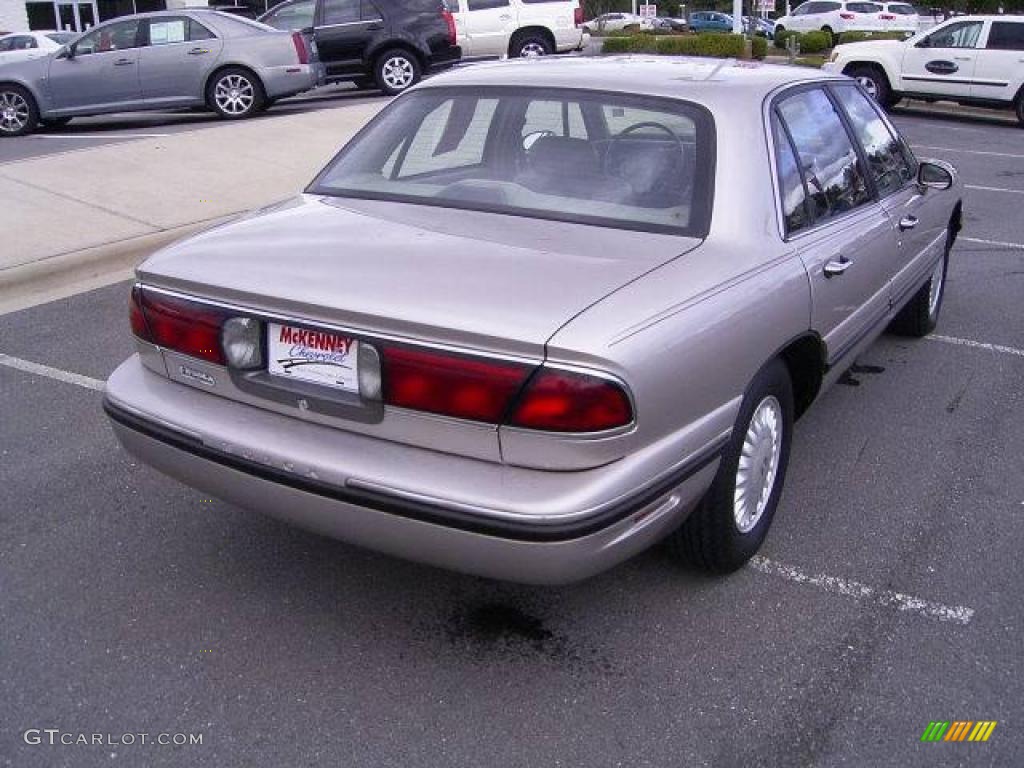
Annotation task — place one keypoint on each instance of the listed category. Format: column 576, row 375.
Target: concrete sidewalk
column 128, row 199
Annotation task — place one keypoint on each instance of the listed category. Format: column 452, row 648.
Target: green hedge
column 857, row 37
column 759, row 47
column 716, row 45
column 811, row 42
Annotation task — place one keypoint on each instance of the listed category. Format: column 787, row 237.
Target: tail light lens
column 566, row 401
column 184, row 326
column 300, row 47
column 452, row 385
column 847, row 16
column 449, row 20
column 577, row 15
column 887, row 16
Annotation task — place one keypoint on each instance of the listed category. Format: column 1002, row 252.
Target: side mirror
column 924, row 42
column 68, row 52
column 934, row 175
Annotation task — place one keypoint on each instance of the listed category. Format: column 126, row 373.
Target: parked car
column 833, row 17
column 968, row 59
column 754, row 25
column 611, row 22
column 710, row 21
column 389, row 44
column 899, row 17
column 928, row 17
column 487, row 28
column 232, row 65
column 31, row 45
column 668, row 24
column 538, row 315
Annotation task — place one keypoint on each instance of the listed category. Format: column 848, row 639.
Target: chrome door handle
column 962, row 58
column 198, row 51
column 908, row 222
column 504, row 17
column 836, row 267
column 123, row 62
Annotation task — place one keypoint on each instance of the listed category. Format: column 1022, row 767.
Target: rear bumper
column 279, row 82
column 444, row 58
column 159, row 422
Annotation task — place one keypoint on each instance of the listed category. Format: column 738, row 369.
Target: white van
column 517, row 27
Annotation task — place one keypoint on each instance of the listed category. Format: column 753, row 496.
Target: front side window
column 22, row 43
column 961, row 34
column 886, row 162
column 112, row 37
column 587, row 157
column 1006, row 36
column 341, row 11
column 831, row 167
column 483, row 5
column 902, row 10
column 292, row 16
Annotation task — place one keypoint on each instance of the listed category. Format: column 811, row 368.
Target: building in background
column 76, row 15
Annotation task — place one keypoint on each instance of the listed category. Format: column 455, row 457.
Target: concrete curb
column 58, row 277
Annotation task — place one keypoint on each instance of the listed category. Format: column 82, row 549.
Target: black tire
column 396, row 70
column 528, row 44
column 875, row 83
column 54, row 122
column 235, row 93
column 711, row 538
column 919, row 316
column 1020, row 109
column 833, row 38
column 19, row 114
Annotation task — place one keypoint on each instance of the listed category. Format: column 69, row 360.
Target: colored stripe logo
column 958, row 730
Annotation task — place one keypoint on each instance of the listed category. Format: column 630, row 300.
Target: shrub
column 632, row 44
column 714, row 45
column 781, row 36
column 815, row 42
column 759, row 47
column 857, row 37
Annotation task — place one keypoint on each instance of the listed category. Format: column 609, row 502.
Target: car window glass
column 619, row 119
column 197, row 31
column 1006, row 36
column 962, row 34
column 167, row 31
column 795, row 212
column 902, row 10
column 341, row 11
column 483, row 5
column 24, row 43
column 111, row 37
column 292, row 16
column 828, row 159
column 561, row 118
column 800, row 10
column 451, row 136
column 886, row 163
column 863, row 7
column 6, row 43
column 369, row 11
column 61, row 37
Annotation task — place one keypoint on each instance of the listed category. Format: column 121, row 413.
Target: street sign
column 648, row 11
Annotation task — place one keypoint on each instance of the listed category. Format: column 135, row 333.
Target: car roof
column 713, row 82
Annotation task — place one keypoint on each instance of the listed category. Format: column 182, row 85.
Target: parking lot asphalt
column 887, row 594
column 90, row 132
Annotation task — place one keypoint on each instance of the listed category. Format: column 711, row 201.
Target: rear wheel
column 731, row 522
column 831, row 35
column 235, row 93
column 18, row 112
column 396, row 70
column 530, row 44
column 1020, row 109
column 875, row 83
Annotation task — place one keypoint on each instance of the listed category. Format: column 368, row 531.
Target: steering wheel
column 626, row 133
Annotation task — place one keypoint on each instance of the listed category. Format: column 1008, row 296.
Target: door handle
column 198, row 51
column 504, row 17
column 962, row 58
column 908, row 222
column 836, row 267
column 123, row 62
column 374, row 27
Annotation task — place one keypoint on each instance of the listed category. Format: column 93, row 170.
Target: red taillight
column 450, row 21
column 300, row 47
column 566, row 401
column 887, row 17
column 847, row 16
column 452, row 385
column 577, row 15
column 183, row 326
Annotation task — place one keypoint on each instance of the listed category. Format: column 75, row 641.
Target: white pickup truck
column 975, row 60
column 487, row 28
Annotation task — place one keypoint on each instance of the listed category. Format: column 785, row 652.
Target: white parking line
column 994, row 189
column 969, row 151
column 957, row 614
column 997, row 243
column 51, row 373
column 100, row 137
column 977, row 344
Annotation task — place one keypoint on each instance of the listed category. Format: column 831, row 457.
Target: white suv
column 833, row 17
column 518, row 27
column 968, row 59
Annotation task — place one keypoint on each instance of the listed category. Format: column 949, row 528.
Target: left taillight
column 301, row 50
column 577, row 15
column 449, row 20
column 557, row 400
column 184, row 326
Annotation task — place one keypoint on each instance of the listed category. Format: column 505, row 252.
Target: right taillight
column 577, row 15
column 449, row 20
column 567, row 401
column 301, row 50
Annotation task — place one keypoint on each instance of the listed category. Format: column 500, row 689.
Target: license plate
column 313, row 356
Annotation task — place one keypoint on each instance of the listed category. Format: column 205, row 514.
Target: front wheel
column 875, row 83
column 1020, row 110
column 731, row 522
column 235, row 93
column 396, row 70
column 921, row 314
column 18, row 111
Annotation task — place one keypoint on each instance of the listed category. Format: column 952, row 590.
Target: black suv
column 383, row 43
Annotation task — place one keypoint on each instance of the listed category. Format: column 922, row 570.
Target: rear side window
column 167, row 31
column 292, row 16
column 830, row 164
column 483, row 5
column 792, row 192
column 341, row 11
column 901, row 10
column 863, row 7
column 886, row 162
column 1006, row 36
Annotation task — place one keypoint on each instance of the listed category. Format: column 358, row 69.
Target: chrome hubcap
column 397, row 73
column 869, row 86
column 759, row 464
column 531, row 49
column 234, row 94
column 13, row 112
column 935, row 288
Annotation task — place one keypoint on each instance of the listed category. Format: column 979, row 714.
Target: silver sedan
column 525, row 326
column 188, row 58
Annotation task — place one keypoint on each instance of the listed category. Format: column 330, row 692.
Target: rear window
column 606, row 159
